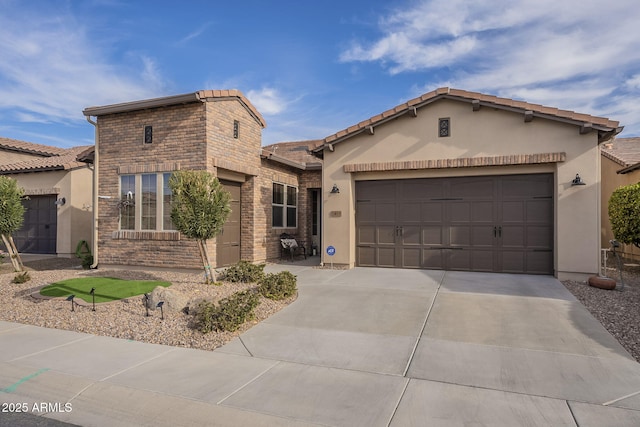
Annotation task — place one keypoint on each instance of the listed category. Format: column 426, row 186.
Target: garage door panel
column 376, row 190
column 433, row 236
column 386, row 235
column 433, row 259
column 409, row 213
column 483, row 236
column 386, row 257
column 432, row 212
column 386, row 212
column 411, row 235
column 539, row 210
column 421, row 189
column 539, row 262
column 513, row 236
column 513, row 261
column 482, row 260
column 366, row 256
column 512, row 211
column 460, row 235
column 471, row 188
column 366, row 235
column 540, row 237
column 459, row 260
column 460, row 211
column 411, row 258
column 366, row 212
column 483, row 212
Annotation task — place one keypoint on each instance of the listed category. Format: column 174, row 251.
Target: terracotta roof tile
column 233, row 93
column 296, row 151
column 30, row 147
column 66, row 161
column 608, row 127
column 624, row 151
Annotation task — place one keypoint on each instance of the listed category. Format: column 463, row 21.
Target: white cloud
column 576, row 54
column 51, row 69
column 268, row 101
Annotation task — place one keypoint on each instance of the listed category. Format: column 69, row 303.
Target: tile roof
column 606, row 127
column 199, row 96
column 296, row 151
column 30, row 147
column 625, row 152
column 67, row 160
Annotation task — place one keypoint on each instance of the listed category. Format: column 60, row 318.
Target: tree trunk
column 13, row 252
column 208, row 276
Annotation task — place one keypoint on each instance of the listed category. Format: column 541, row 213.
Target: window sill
column 145, row 235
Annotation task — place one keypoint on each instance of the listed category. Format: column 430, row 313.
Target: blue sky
column 311, row 68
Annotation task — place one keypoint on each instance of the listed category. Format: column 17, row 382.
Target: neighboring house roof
column 606, row 128
column 625, row 152
column 199, row 96
column 297, row 152
column 67, row 160
column 30, row 147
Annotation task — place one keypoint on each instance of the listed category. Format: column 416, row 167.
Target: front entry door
column 228, row 241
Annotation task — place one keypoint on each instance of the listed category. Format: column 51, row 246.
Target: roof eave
column 142, row 105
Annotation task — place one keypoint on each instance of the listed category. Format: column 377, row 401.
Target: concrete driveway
column 361, row 347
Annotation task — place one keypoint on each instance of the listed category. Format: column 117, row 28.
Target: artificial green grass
column 107, row 288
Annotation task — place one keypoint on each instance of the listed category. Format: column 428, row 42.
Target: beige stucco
column 611, row 180
column 484, row 133
column 75, row 216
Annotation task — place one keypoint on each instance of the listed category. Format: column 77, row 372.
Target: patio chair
column 289, row 246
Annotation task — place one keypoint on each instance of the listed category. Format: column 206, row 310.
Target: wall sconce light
column 335, row 189
column 60, row 202
column 577, row 180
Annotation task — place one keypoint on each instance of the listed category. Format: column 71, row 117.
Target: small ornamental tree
column 11, row 217
column 624, row 214
column 199, row 208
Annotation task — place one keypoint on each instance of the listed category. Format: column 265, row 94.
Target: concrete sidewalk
column 361, row 347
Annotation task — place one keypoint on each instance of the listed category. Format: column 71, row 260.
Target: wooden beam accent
column 528, row 116
column 475, row 104
column 586, row 128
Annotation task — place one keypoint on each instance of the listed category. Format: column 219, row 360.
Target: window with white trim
column 284, row 206
column 149, row 208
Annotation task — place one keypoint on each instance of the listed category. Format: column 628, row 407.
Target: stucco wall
column 75, row 216
column 484, row 133
column 610, row 182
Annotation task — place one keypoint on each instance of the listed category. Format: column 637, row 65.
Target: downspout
column 94, row 227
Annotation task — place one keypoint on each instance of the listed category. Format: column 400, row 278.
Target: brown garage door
column 228, row 241
column 40, row 228
column 492, row 223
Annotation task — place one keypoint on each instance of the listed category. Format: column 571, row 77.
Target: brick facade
column 218, row 134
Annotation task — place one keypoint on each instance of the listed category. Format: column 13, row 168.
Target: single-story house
column 58, row 208
column 451, row 180
column 620, row 167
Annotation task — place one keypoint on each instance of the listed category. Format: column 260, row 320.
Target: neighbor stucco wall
column 610, row 182
column 484, row 133
column 75, row 216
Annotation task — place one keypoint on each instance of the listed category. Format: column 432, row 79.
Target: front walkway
column 360, row 347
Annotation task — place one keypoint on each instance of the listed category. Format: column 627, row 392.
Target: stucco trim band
column 463, row 162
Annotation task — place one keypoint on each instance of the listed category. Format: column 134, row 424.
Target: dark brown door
column 228, row 241
column 494, row 223
column 39, row 231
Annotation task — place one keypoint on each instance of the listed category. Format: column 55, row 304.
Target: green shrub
column 245, row 272
column 278, row 286
column 21, row 277
column 229, row 314
column 624, row 214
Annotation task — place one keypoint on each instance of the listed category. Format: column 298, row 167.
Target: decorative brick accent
column 148, row 168
column 146, row 235
column 464, row 162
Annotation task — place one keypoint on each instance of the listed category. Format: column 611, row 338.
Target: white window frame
column 159, row 211
column 284, row 205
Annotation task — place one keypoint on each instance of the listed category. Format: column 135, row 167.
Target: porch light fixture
column 577, row 180
column 70, row 298
column 335, row 189
column 60, row 202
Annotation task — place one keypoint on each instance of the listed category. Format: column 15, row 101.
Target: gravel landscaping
column 125, row 318
column 618, row 311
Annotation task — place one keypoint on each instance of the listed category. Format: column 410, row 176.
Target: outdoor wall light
column 93, row 296
column 60, row 202
column 335, row 189
column 577, row 180
column 160, row 304
column 70, row 298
